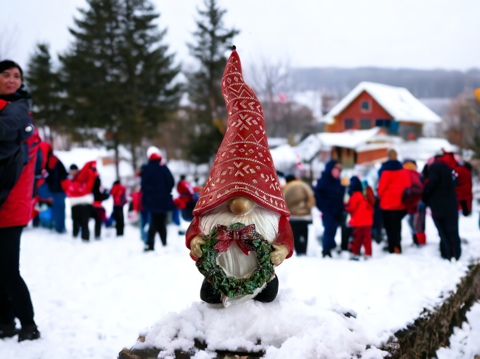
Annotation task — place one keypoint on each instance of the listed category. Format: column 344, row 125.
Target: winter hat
column 290, row 178
column 355, row 185
column 243, row 166
column 74, row 167
column 153, row 153
column 8, row 64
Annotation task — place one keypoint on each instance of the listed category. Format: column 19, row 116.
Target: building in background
column 371, row 105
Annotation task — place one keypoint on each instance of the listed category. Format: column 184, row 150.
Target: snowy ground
column 93, row 299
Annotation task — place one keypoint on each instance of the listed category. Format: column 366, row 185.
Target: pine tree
column 44, row 87
column 204, row 85
column 118, row 75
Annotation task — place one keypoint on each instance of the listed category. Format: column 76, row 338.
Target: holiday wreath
column 247, row 240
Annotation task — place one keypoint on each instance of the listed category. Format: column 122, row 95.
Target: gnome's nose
column 240, row 205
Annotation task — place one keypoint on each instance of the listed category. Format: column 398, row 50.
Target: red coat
column 83, row 183
column 137, row 201
column 119, row 194
column 464, row 187
column 17, row 208
column 360, row 210
column 285, row 234
column 391, row 188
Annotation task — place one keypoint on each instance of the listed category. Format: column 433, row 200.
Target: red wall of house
column 355, row 112
column 373, row 155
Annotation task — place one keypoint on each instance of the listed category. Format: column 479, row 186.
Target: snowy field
column 93, row 299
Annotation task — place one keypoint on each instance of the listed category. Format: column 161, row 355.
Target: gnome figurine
column 242, row 187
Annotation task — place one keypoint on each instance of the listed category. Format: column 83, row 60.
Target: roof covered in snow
column 352, row 139
column 397, row 101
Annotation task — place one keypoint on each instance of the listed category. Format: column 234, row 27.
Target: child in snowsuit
column 361, row 211
column 119, row 194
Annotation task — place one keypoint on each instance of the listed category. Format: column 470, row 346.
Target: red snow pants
column 362, row 236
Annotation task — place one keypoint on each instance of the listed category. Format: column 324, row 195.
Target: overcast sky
column 344, row 33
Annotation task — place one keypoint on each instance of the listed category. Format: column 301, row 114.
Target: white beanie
column 153, row 150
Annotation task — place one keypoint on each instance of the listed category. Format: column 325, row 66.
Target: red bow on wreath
column 226, row 236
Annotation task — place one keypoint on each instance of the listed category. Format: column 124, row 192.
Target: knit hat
column 153, row 153
column 243, row 166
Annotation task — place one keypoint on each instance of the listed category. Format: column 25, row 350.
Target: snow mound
column 286, row 326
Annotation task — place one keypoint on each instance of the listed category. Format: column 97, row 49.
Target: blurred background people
column 157, row 184
column 361, row 212
column 78, row 187
column 439, row 194
column 119, row 194
column 56, row 174
column 300, row 200
column 329, row 194
column 98, row 213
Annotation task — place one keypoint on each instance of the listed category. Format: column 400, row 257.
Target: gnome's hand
column 279, row 254
column 195, row 249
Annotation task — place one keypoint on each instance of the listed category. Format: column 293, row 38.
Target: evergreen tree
column 44, row 88
column 204, row 85
column 118, row 75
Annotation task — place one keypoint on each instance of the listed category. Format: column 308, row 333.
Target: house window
column 390, row 125
column 365, row 123
column 349, row 123
column 366, row 106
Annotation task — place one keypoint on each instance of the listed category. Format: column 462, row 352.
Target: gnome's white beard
column 234, row 262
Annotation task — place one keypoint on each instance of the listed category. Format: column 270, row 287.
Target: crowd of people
column 444, row 186
column 34, row 183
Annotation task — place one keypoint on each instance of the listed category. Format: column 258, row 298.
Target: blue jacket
column 157, row 184
column 329, row 192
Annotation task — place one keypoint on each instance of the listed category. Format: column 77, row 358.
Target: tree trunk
column 117, row 159
column 133, row 150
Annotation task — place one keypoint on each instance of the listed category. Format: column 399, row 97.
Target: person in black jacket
column 329, row 194
column 439, row 194
column 157, row 184
column 100, row 194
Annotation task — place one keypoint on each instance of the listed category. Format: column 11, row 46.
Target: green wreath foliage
column 229, row 286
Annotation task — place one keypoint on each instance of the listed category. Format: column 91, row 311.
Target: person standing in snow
column 18, row 151
column 98, row 212
column 361, row 212
column 157, row 184
column 300, row 200
column 56, row 174
column 78, row 187
column 329, row 194
column 391, row 186
column 119, row 194
column 415, row 210
column 439, row 194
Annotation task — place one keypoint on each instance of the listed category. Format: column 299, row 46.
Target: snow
column 464, row 343
column 93, row 299
column 397, row 101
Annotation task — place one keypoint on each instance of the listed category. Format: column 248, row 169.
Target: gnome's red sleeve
column 192, row 231
column 285, row 234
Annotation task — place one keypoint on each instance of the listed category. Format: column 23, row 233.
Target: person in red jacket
column 19, row 142
column 361, row 212
column 78, row 187
column 391, row 188
column 119, row 194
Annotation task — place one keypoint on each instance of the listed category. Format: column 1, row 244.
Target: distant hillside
column 422, row 83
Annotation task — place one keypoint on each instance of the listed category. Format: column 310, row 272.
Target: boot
column 28, row 332
column 8, row 330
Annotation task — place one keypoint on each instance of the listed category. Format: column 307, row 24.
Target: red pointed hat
column 243, row 166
